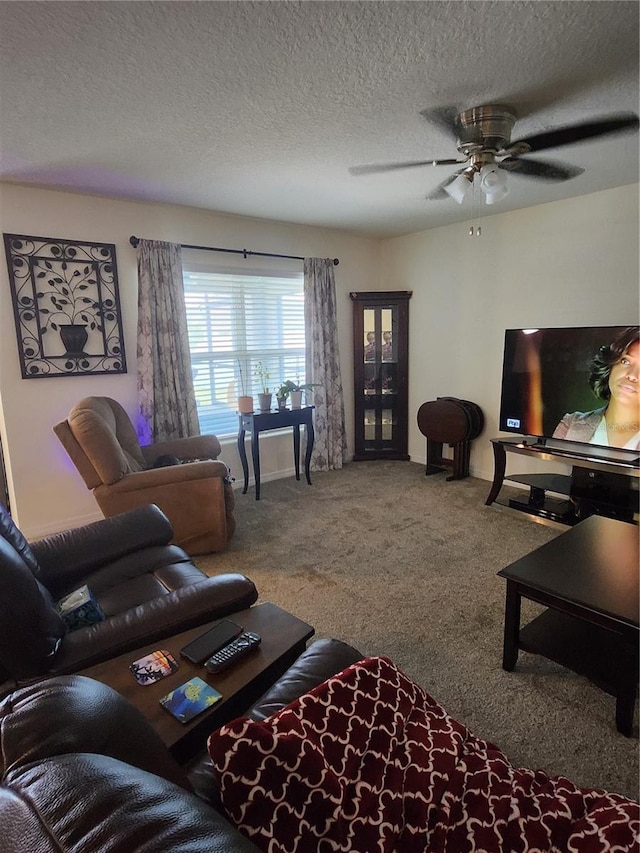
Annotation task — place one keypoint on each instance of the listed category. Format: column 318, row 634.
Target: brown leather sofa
column 83, row 772
column 196, row 496
column 146, row 588
column 101, row 779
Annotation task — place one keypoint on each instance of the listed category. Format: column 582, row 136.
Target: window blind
column 236, row 320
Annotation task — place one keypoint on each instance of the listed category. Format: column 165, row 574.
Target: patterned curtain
column 323, row 364
column 165, row 383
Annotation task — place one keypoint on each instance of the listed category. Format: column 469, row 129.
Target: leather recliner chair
column 196, row 496
column 146, row 588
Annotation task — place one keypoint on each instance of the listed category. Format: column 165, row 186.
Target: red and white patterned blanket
column 367, row 762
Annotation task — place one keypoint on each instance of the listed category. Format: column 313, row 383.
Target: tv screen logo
column 513, row 422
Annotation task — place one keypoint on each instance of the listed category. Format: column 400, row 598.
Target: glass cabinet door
column 380, row 374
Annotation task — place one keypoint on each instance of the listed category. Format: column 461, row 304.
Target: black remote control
column 233, row 652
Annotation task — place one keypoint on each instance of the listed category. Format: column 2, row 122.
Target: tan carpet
column 405, row 565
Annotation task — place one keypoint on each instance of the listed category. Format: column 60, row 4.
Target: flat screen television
column 548, row 377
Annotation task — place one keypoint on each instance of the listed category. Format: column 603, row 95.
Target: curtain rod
column 245, row 252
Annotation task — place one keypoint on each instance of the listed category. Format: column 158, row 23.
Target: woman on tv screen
column 613, row 379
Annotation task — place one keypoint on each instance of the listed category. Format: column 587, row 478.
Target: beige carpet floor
column 404, row 565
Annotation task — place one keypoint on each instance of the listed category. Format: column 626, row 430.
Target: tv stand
column 597, row 485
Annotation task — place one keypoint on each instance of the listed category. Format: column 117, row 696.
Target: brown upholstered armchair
column 196, row 496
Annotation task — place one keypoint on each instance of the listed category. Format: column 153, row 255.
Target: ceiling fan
column 483, row 138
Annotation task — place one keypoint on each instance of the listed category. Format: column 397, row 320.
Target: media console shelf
column 597, row 486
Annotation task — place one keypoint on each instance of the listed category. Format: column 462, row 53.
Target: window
column 236, row 320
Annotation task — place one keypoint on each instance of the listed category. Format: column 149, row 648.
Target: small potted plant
column 295, row 389
column 245, row 402
column 264, row 397
column 281, row 396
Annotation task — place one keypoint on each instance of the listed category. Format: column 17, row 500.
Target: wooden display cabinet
column 381, row 373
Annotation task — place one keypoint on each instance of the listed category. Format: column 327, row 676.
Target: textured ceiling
column 259, row 108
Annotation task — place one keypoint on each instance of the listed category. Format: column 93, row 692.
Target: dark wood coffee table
column 588, row 580
column 284, row 638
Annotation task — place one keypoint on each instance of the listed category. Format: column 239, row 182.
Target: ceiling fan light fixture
column 493, row 183
column 492, row 198
column 459, row 187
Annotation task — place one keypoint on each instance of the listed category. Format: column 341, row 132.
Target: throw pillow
column 369, row 761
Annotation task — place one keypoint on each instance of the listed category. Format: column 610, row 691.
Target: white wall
column 46, row 492
column 572, row 262
column 569, row 263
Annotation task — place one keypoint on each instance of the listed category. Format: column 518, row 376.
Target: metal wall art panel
column 66, row 306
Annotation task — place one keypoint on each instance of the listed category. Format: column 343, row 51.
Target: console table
column 284, row 638
column 602, row 484
column 257, row 422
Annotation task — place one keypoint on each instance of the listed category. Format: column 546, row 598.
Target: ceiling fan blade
column 574, row 133
column 546, row 169
column 372, row 168
column 443, row 118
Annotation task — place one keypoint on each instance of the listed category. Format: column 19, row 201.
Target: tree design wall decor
column 66, row 306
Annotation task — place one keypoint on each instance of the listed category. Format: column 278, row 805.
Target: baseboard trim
column 79, row 521
column 266, row 478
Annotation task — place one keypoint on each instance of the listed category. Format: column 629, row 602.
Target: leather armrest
column 323, row 659
column 84, row 549
column 91, row 717
column 195, row 447
column 166, row 476
column 99, row 777
column 184, row 608
column 88, row 803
